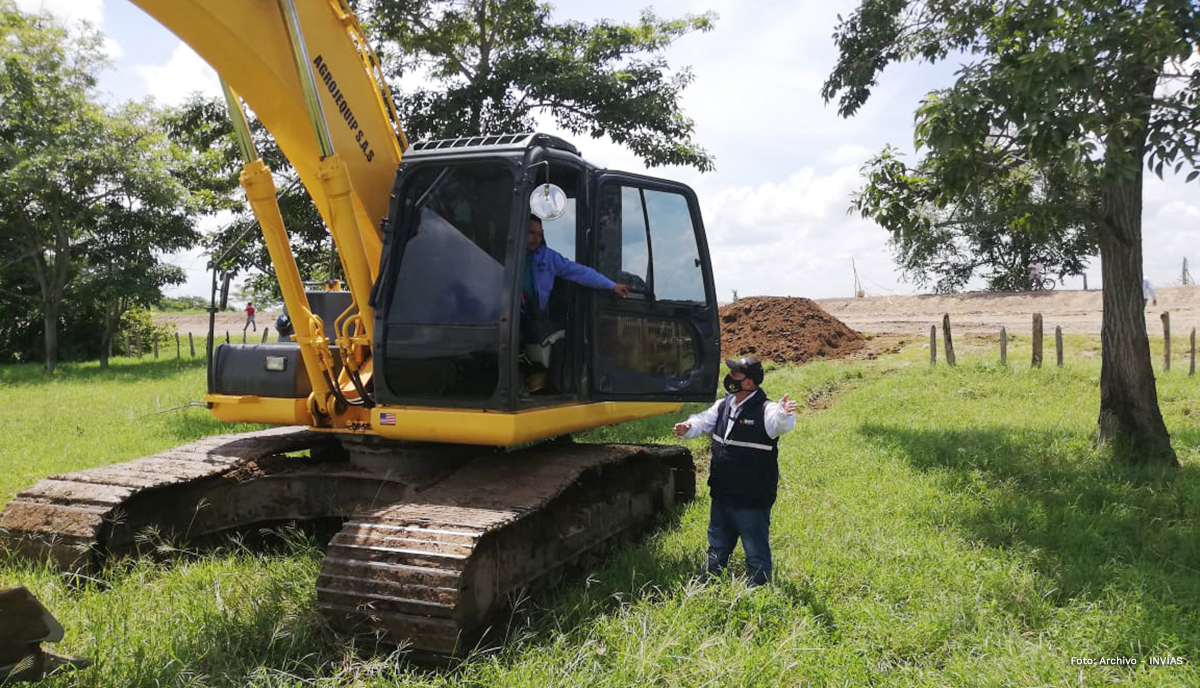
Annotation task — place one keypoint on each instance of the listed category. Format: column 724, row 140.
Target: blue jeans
column 725, row 525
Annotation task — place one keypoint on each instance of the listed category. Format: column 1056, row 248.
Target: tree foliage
column 202, row 126
column 1099, row 88
column 1021, row 214
column 88, row 194
column 492, row 65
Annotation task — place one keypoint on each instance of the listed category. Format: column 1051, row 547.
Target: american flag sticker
column 386, row 418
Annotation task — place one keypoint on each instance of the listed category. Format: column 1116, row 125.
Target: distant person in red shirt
column 250, row 319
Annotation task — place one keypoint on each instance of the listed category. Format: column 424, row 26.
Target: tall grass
column 936, row 527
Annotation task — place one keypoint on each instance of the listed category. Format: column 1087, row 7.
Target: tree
column 202, row 126
column 79, row 185
column 1101, row 87
column 494, row 64
column 1019, row 214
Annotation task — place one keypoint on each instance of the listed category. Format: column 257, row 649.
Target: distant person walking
column 1148, row 295
column 744, row 475
column 250, row 319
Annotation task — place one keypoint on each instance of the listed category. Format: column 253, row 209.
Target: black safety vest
column 745, row 463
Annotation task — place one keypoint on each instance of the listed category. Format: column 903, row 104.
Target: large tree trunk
column 1129, row 415
column 50, row 337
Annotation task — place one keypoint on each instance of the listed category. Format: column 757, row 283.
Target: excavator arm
column 306, row 71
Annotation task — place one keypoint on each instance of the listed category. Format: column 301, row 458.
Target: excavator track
column 434, row 571
column 210, row 486
column 423, row 564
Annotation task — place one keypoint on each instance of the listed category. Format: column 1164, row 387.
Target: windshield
column 452, row 268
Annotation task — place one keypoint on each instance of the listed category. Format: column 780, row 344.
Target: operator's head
column 745, row 374
column 536, row 235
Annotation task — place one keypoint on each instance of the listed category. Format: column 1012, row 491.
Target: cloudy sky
column 775, row 208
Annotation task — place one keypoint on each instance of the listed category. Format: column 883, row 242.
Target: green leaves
column 89, row 195
column 952, row 219
column 496, row 64
column 1052, row 75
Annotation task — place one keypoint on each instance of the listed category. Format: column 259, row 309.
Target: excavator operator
column 542, row 265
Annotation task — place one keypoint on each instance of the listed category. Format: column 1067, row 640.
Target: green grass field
column 936, row 527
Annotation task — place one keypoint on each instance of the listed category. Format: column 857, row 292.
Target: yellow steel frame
column 305, row 69
column 449, row 426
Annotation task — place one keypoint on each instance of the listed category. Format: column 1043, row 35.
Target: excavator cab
column 449, row 313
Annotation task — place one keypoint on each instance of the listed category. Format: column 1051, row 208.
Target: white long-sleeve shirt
column 775, row 419
column 1148, row 291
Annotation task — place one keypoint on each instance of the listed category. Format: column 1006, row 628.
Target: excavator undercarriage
column 425, row 557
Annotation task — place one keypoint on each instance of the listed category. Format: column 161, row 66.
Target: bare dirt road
column 197, row 324
column 1078, row 312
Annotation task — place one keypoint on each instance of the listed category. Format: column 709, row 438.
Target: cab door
column 662, row 342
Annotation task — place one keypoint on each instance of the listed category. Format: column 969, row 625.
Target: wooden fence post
column 192, row 344
column 1003, row 347
column 932, row 344
column 226, row 336
column 128, row 349
column 137, row 344
column 1058, row 347
column 1192, row 369
column 265, row 331
column 1036, row 361
column 1166, row 318
column 156, row 347
column 178, row 352
column 949, row 340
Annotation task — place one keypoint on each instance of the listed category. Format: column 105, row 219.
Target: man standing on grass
column 249, row 319
column 744, row 476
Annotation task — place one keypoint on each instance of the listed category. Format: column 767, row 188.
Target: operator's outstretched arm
column 583, row 275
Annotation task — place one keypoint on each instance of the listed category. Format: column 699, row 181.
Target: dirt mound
column 784, row 329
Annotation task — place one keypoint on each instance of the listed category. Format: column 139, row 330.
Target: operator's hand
column 681, row 429
column 789, row 406
column 620, row 290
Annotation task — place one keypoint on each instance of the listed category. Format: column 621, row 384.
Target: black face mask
column 733, row 386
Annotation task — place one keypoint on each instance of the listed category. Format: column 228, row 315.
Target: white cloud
column 775, row 208
column 70, row 12
column 795, row 238
column 1170, row 228
column 182, row 75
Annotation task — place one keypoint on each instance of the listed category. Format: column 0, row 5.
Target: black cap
column 749, row 366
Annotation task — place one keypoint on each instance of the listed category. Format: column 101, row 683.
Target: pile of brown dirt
column 785, row 330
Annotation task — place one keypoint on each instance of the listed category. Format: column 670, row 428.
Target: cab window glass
column 677, row 273
column 453, row 255
column 648, row 243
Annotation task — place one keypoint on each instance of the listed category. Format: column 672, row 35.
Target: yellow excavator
column 405, row 405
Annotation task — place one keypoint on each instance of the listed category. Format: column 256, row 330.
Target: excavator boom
column 247, row 42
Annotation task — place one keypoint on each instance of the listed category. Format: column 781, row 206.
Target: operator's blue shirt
column 544, row 264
